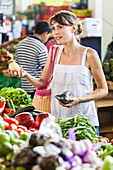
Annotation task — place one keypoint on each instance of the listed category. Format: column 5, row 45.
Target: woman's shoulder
column 92, row 56
column 91, row 52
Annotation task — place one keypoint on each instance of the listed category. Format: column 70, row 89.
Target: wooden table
column 104, row 103
column 105, row 113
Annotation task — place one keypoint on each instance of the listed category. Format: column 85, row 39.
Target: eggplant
column 63, row 97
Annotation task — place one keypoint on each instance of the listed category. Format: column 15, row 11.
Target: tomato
column 6, row 58
column 11, row 121
column 22, row 127
column 20, row 131
column 6, row 53
column 6, row 125
column 8, row 111
column 12, row 126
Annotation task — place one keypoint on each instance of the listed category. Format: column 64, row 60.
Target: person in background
column 31, row 54
column 75, row 67
column 50, row 43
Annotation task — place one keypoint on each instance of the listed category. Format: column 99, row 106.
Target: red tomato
column 12, row 127
column 11, row 121
column 8, row 111
column 6, row 125
column 20, row 131
column 6, row 58
column 22, row 127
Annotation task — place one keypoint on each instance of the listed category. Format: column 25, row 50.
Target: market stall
column 31, row 139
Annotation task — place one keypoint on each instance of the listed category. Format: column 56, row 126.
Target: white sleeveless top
column 77, row 79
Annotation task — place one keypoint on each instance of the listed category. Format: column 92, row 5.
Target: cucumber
column 29, row 108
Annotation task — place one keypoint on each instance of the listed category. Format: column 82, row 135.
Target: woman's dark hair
column 67, row 18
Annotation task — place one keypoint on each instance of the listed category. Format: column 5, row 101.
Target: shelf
column 104, row 103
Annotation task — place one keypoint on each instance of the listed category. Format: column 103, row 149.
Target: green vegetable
column 20, row 168
column 105, row 150
column 81, row 125
column 19, row 97
column 2, row 167
column 5, row 148
column 2, row 126
column 10, row 104
column 108, row 163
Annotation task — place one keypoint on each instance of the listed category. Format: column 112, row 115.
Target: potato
column 14, row 66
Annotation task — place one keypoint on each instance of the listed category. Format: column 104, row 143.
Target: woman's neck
column 71, row 47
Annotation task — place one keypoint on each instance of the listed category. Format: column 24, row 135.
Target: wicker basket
column 110, row 85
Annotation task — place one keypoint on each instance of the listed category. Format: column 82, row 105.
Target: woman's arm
column 94, row 64
column 32, row 80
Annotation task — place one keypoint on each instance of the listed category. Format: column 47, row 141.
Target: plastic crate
column 82, row 12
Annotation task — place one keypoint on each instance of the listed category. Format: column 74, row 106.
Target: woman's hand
column 19, row 74
column 73, row 100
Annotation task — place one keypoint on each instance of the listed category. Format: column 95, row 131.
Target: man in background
column 31, row 54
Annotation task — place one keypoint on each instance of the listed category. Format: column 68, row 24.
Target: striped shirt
column 31, row 54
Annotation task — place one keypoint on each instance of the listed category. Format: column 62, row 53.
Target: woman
column 73, row 71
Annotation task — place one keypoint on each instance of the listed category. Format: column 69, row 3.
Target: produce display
column 82, row 128
column 5, row 58
column 12, row 137
column 11, row 45
column 47, row 149
column 108, row 69
column 34, row 140
column 19, row 97
column 7, row 52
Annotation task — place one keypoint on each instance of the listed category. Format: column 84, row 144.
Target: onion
column 14, row 66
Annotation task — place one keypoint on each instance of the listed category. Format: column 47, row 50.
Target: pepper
column 2, row 104
column 40, row 117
